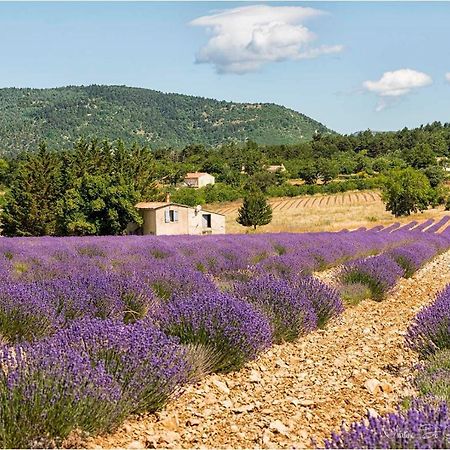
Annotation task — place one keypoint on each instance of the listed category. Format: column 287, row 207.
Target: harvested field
column 349, row 210
column 301, row 390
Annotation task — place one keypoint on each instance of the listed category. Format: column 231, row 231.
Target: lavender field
column 94, row 330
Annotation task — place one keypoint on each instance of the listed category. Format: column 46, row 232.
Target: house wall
column 205, row 180
column 191, row 182
column 170, row 228
column 188, row 222
column 195, row 222
column 149, row 217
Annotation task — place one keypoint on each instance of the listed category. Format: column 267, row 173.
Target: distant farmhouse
column 198, row 179
column 276, row 168
column 167, row 218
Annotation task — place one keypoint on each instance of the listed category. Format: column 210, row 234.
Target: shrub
column 148, row 365
column 289, row 310
column 324, row 299
column 50, row 388
column 423, row 425
column 233, row 330
column 352, row 294
column 430, row 329
column 433, row 377
column 25, row 312
column 412, row 257
column 379, row 273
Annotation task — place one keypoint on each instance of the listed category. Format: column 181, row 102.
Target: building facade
column 198, row 179
column 166, row 218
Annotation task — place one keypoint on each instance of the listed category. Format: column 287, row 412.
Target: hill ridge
column 61, row 115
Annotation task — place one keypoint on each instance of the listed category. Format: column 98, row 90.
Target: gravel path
column 298, row 391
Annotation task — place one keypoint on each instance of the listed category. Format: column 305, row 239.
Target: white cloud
column 447, row 76
column 244, row 39
column 398, row 83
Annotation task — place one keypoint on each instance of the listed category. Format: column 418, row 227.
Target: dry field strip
column 334, row 212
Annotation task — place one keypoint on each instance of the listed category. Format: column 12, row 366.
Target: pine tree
column 255, row 210
column 31, row 199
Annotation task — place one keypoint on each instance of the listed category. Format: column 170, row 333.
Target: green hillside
column 62, row 115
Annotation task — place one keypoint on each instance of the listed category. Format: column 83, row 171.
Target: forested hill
column 62, row 115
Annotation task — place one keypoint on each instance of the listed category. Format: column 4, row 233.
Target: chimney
column 167, row 197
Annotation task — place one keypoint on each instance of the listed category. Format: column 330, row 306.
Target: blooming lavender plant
column 149, row 366
column 49, row 388
column 423, row 425
column 432, row 377
column 233, row 330
column 325, row 300
column 25, row 312
column 289, row 310
column 379, row 273
column 411, row 257
column 430, row 329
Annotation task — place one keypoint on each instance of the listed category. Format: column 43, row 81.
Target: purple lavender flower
column 411, row 257
column 430, row 329
column 423, row 425
column 149, row 366
column 233, row 330
column 325, row 300
column 289, row 310
column 379, row 273
column 49, row 388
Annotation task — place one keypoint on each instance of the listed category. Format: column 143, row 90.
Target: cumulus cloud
column 244, row 39
column 447, row 76
column 393, row 85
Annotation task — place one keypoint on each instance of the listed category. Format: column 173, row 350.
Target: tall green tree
column 405, row 191
column 96, row 205
column 34, row 191
column 255, row 211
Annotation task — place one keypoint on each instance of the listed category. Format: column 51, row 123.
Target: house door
column 206, row 220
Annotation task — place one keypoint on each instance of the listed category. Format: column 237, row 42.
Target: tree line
column 92, row 188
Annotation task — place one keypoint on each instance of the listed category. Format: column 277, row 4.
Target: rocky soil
column 298, row 391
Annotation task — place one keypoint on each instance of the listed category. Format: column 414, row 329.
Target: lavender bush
column 412, row 257
column 50, row 388
column 290, row 311
column 430, row 329
column 148, row 365
column 379, row 273
column 233, row 330
column 25, row 312
column 325, row 300
column 423, row 425
column 433, row 376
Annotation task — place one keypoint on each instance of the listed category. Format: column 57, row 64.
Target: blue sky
column 369, row 65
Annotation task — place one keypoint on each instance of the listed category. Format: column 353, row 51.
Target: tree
column 328, row 170
column 96, row 206
column 309, row 172
column 30, row 201
column 420, row 156
column 435, row 175
column 406, row 191
column 255, row 210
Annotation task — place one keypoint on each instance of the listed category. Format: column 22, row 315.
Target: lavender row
column 380, row 273
column 425, row 422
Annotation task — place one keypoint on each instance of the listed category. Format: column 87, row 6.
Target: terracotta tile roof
column 195, row 174
column 150, row 205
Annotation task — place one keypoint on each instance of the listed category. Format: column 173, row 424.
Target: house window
column 170, row 215
column 206, row 220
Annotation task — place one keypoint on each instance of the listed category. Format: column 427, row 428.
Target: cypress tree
column 255, row 210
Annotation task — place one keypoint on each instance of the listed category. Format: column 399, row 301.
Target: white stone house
column 168, row 218
column 198, row 179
